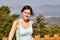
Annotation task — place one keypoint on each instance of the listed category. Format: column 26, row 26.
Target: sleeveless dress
column 24, row 34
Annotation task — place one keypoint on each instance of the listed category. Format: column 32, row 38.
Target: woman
column 24, row 30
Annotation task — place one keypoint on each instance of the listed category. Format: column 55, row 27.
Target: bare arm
column 13, row 29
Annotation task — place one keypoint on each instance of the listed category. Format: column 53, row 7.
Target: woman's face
column 26, row 14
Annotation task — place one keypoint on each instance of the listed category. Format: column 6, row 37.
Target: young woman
column 24, row 30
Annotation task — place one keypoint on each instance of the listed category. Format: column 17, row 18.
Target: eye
column 25, row 12
column 28, row 13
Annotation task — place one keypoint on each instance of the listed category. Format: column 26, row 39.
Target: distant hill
column 53, row 20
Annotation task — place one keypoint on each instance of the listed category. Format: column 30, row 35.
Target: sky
column 16, row 5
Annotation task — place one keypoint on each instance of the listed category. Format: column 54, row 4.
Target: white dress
column 24, row 34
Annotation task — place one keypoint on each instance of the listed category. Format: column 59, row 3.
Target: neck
column 26, row 20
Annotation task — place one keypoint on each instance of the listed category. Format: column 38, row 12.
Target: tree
column 6, row 21
column 39, row 25
column 4, row 9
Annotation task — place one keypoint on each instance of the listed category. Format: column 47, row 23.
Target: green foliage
column 51, row 30
column 6, row 21
column 4, row 9
column 15, row 16
column 39, row 25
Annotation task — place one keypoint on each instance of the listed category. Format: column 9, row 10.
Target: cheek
column 23, row 14
column 29, row 15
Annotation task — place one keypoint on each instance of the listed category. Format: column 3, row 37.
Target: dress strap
column 18, row 29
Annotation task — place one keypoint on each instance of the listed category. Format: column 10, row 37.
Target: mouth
column 26, row 16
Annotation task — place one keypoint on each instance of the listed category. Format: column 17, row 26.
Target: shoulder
column 15, row 21
column 32, row 21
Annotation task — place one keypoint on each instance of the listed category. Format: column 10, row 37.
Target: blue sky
column 16, row 5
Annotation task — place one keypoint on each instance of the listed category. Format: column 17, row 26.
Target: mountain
column 53, row 20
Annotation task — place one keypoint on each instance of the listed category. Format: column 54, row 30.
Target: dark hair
column 27, row 7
